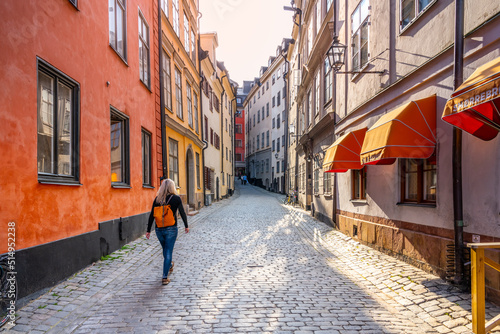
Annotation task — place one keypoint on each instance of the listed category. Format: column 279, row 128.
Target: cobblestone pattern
column 251, row 265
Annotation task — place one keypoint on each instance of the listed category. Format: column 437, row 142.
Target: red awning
column 344, row 153
column 474, row 106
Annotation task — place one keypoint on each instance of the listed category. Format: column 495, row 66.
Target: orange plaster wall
column 75, row 42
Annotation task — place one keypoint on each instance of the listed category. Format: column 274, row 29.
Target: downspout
column 457, row 147
column 202, row 116
column 334, row 107
column 222, row 125
column 233, row 124
column 162, row 99
column 287, row 103
column 297, row 113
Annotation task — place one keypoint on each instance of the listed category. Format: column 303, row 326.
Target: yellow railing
column 479, row 325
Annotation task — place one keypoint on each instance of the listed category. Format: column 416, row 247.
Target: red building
column 80, row 131
column 240, row 130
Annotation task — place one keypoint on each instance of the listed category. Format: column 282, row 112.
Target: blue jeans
column 167, row 236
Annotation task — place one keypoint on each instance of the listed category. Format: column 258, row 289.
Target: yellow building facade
column 181, row 98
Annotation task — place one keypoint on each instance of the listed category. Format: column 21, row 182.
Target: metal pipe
column 162, row 98
column 457, row 147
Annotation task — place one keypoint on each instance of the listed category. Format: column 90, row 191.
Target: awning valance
column 474, row 106
column 343, row 154
column 406, row 132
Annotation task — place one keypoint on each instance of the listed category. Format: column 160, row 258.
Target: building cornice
column 179, row 128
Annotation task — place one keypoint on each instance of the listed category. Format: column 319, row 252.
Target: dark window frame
column 173, row 174
column 146, row 156
column 358, row 184
column 147, row 82
column 420, row 182
column 117, row 115
column 74, row 3
column 58, row 76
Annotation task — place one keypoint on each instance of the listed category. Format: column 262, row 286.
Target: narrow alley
column 251, row 265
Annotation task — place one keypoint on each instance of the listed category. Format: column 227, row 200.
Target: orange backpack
column 164, row 215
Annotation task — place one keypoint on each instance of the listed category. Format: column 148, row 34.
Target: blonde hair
column 167, row 187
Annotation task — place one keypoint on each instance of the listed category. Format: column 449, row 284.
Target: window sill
column 146, row 85
column 359, row 201
column 60, row 183
column 327, row 195
column 147, row 186
column 121, row 186
column 423, row 205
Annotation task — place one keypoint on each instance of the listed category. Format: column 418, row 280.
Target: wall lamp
column 291, row 131
column 336, row 56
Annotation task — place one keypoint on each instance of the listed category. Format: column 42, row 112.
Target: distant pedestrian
column 167, row 203
column 244, row 179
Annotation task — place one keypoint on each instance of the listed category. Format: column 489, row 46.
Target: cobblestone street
column 251, row 265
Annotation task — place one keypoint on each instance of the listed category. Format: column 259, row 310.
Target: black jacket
column 175, row 204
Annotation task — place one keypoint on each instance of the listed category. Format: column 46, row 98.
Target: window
column 278, row 122
column 238, row 157
column 274, row 146
column 258, row 94
column 262, row 139
column 189, row 105
column 178, row 93
column 222, row 177
column 239, row 143
column 58, row 153
column 274, row 78
column 211, row 136
column 310, row 108
column 186, row 34
column 198, row 179
column 238, row 100
column 146, row 158
column 278, row 145
column 144, row 50
column 278, row 99
column 254, row 120
column 267, row 85
column 418, row 180
column 309, row 38
column 328, row 87
column 327, row 182
column 227, row 154
column 267, row 109
column 316, row 181
column 262, row 112
column 358, row 183
column 193, row 47
column 238, row 128
column 118, row 27
column 175, row 16
column 328, row 4
column 274, row 101
column 173, row 160
column 195, row 107
column 359, row 36
column 317, row 95
column 411, row 9
column 267, row 166
column 164, row 7
column 318, row 17
column 258, row 141
column 279, row 73
column 206, row 128
column 274, row 123
column 119, row 148
column 267, row 138
column 167, row 81
column 283, row 140
column 258, row 116
column 277, row 166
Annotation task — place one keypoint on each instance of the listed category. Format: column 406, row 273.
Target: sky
column 249, row 31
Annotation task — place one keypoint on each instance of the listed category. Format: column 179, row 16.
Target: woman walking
column 164, row 213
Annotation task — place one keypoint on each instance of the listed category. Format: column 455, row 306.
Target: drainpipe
column 334, row 106
column 233, row 124
column 222, row 125
column 202, row 116
column 285, row 160
column 162, row 98
column 297, row 112
column 457, row 147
